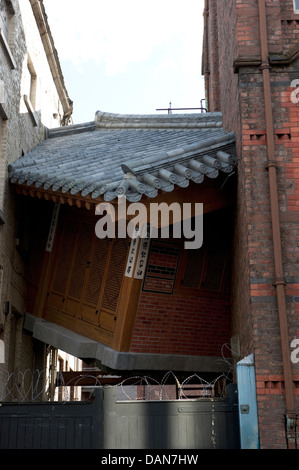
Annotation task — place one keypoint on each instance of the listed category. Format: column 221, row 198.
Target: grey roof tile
column 129, row 155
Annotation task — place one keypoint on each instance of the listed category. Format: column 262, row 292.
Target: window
column 3, row 174
column 3, row 114
column 5, row 17
column 30, row 87
column 296, row 6
column 208, row 268
column 2, row 352
column 31, row 82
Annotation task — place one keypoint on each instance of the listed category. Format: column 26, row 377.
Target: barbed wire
column 24, row 386
column 37, row 385
column 30, row 386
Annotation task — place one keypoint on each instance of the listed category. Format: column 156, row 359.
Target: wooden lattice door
column 86, row 280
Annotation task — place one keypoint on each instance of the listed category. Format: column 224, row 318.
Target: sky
column 129, row 56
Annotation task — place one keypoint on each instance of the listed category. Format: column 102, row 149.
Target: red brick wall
column 291, row 144
column 266, row 330
column 178, row 322
column 181, row 324
column 254, row 304
column 271, row 404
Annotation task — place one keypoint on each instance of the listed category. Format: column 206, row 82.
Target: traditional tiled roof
column 131, row 155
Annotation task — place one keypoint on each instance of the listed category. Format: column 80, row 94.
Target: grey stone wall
column 29, row 104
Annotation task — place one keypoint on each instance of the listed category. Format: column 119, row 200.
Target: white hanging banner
column 53, row 225
column 132, row 257
column 142, row 255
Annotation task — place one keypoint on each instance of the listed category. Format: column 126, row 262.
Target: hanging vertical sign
column 142, row 255
column 53, row 225
column 132, row 257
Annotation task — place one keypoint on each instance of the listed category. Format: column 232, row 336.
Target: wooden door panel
column 64, row 258
column 107, row 321
column 72, row 307
column 56, row 301
column 115, row 274
column 90, row 314
column 81, row 262
column 86, row 280
column 96, row 272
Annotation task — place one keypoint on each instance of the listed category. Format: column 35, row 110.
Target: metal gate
column 207, row 423
column 70, row 425
column 106, row 423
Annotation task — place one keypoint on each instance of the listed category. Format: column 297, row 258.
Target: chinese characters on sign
column 132, row 257
column 142, row 258
column 143, row 251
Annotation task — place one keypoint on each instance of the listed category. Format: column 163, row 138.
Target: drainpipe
column 279, row 280
column 205, row 62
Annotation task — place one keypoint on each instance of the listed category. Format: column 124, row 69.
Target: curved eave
column 127, row 156
column 125, row 189
column 139, row 180
column 214, row 194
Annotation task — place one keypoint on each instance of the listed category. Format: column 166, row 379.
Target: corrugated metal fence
column 105, row 423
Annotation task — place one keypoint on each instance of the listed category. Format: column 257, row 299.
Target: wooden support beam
column 126, row 314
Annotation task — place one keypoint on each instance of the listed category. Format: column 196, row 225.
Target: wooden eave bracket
column 275, row 59
column 49, row 195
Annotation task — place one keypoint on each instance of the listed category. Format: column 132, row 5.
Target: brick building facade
column 251, row 64
column 33, row 98
column 78, row 295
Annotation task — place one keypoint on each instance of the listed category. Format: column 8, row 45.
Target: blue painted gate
column 249, row 435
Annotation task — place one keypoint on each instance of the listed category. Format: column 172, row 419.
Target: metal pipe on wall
column 205, row 64
column 279, row 278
